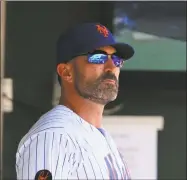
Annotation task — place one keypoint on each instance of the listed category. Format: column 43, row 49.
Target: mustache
column 109, row 76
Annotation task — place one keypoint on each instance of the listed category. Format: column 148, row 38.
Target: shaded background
column 31, row 34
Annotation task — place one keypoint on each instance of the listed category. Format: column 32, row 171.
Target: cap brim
column 124, row 50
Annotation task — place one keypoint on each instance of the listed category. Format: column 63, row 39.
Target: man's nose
column 109, row 65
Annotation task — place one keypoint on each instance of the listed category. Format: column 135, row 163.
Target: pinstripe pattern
column 29, row 157
column 23, row 160
column 44, row 149
column 36, row 153
column 63, row 165
column 92, row 168
column 52, row 150
column 96, row 162
column 124, row 170
column 114, row 155
column 70, row 148
column 58, row 156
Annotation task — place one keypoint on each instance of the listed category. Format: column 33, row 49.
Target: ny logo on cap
column 102, row 30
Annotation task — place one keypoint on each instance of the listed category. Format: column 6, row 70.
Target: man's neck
column 86, row 109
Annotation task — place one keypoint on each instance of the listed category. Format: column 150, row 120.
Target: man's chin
column 103, row 101
column 111, row 99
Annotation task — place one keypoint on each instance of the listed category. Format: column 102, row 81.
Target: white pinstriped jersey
column 70, row 148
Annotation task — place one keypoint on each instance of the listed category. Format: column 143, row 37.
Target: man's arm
column 46, row 154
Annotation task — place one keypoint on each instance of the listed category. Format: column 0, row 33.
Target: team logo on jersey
column 43, row 175
column 111, row 168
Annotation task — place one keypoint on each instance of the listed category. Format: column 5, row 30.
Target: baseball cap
column 87, row 37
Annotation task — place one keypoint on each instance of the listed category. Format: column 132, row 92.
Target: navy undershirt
column 102, row 131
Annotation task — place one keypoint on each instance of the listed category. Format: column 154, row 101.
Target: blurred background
column 151, row 84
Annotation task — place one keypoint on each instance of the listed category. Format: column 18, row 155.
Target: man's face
column 96, row 82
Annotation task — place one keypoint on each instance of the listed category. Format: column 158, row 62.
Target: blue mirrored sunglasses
column 100, row 57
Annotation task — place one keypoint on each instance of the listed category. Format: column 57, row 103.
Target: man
column 69, row 142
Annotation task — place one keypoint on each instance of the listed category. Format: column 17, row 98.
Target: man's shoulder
column 59, row 120
column 59, row 117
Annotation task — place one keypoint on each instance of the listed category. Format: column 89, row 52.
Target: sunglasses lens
column 100, row 58
column 117, row 61
column 97, row 58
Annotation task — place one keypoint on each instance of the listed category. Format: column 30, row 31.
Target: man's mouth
column 110, row 81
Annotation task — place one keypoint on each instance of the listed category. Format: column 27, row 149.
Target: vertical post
column 2, row 53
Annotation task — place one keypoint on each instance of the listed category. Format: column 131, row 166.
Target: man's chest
column 100, row 159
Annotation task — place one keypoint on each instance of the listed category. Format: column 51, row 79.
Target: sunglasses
column 101, row 57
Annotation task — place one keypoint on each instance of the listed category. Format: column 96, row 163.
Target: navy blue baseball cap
column 86, row 38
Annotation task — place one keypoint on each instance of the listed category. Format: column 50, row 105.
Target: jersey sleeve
column 47, row 154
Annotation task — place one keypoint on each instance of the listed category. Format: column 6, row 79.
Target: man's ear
column 64, row 71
